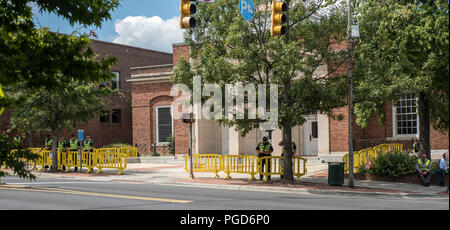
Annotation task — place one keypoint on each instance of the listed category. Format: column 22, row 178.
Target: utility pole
column 351, row 182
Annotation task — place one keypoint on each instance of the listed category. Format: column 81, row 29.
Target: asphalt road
column 69, row 194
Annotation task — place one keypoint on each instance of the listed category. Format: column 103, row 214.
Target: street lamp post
column 189, row 119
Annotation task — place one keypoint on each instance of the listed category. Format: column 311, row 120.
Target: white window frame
column 394, row 122
column 157, row 123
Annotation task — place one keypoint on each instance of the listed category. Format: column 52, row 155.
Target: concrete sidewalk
column 170, row 171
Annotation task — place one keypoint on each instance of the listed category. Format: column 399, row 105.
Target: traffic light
column 278, row 18
column 186, row 10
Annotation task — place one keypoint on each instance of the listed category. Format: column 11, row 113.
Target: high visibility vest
column 48, row 143
column 60, row 145
column 87, row 144
column 17, row 140
column 424, row 166
column 73, row 145
column 263, row 147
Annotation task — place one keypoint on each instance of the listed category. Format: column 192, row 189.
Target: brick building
column 115, row 126
column 318, row 136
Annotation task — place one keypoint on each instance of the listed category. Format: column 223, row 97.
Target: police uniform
column 61, row 148
column 73, row 146
column 424, row 166
column 265, row 147
column 89, row 147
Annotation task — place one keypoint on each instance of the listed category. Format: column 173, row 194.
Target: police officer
column 416, row 147
column 423, row 168
column 294, row 151
column 74, row 146
column 88, row 145
column 264, row 149
column 62, row 147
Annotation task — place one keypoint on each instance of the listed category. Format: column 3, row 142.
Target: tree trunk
column 287, row 147
column 424, row 124
column 287, row 130
column 54, row 151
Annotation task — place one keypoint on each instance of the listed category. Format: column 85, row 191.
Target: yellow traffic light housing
column 186, row 10
column 278, row 18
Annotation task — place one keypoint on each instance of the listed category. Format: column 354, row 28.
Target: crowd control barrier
column 204, row 163
column 360, row 158
column 100, row 158
column 240, row 164
column 128, row 151
column 276, row 166
column 246, row 164
column 109, row 158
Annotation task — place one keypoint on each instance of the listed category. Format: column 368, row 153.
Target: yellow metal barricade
column 361, row 157
column 270, row 165
column 87, row 160
column 299, row 164
column 241, row 164
column 129, row 151
column 204, row 163
column 71, row 159
column 109, row 158
column 45, row 160
column 277, row 166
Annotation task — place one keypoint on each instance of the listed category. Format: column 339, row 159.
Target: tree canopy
column 404, row 48
column 226, row 49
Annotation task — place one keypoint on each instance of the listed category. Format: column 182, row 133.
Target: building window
column 164, row 123
column 116, row 116
column 406, row 120
column 314, row 129
column 104, row 116
column 115, row 81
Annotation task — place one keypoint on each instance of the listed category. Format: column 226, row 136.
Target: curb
column 302, row 191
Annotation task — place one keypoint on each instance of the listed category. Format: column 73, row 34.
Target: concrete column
column 235, row 142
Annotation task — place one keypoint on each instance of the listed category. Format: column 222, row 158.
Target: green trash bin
column 335, row 173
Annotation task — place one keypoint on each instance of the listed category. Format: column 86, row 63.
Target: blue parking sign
column 81, row 135
column 247, row 9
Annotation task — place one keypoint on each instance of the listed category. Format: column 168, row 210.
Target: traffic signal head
column 278, row 18
column 186, row 9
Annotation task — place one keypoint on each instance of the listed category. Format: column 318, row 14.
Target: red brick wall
column 107, row 133
column 147, row 96
column 180, row 50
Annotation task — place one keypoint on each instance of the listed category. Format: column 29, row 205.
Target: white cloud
column 151, row 33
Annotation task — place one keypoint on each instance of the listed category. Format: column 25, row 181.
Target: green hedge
column 393, row 164
column 117, row 145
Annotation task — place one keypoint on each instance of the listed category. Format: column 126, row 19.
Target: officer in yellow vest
column 74, row 145
column 62, row 147
column 423, row 168
column 264, row 149
column 88, row 145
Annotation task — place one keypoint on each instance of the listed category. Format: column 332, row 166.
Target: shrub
column 117, row 145
column 394, row 164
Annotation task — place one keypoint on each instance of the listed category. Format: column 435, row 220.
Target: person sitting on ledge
column 423, row 168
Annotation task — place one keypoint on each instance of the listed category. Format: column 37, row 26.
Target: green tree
column 40, row 60
column 15, row 158
column 225, row 49
column 403, row 49
column 56, row 111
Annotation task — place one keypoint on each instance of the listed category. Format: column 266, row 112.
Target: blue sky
column 144, row 23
